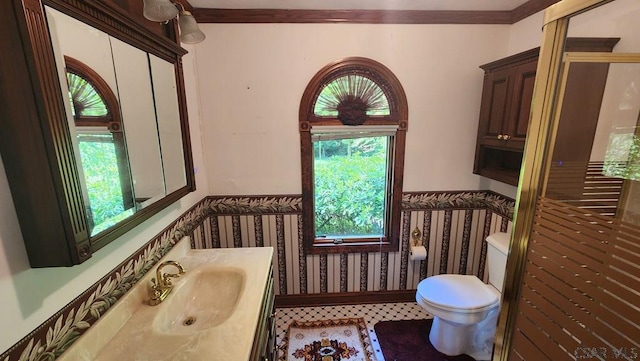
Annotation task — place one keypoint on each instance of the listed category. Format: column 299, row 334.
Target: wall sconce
column 165, row 10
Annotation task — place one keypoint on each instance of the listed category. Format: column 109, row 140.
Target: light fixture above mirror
column 165, row 10
column 159, row 10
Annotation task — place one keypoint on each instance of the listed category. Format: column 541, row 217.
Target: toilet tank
column 497, row 250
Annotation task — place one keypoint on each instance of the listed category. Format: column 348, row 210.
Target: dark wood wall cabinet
column 506, row 103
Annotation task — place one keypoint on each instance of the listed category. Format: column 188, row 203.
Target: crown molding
column 305, row 16
column 350, row 16
column 529, row 8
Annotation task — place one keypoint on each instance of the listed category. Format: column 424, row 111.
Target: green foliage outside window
column 350, row 186
column 102, row 178
column 622, row 158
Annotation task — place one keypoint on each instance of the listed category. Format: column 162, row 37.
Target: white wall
column 30, row 296
column 526, row 33
column 252, row 77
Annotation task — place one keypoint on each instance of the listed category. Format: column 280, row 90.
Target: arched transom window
column 352, row 122
column 351, row 98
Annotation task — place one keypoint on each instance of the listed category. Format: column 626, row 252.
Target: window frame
column 398, row 116
column 111, row 122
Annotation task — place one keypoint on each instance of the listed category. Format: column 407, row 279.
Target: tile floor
column 372, row 314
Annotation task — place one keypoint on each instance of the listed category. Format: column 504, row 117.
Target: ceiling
column 440, row 5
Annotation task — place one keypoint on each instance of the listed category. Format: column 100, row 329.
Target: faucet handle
column 166, row 277
column 156, row 286
column 154, row 291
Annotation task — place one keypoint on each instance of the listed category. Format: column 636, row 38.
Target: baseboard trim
column 347, row 298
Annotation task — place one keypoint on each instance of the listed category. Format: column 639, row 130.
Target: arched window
column 353, row 123
column 105, row 165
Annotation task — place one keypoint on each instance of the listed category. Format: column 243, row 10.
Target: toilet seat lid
column 457, row 292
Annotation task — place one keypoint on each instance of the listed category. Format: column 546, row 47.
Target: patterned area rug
column 326, row 340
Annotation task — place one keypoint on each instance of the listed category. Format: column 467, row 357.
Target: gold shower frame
column 551, row 76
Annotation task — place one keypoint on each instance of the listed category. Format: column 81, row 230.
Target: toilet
column 465, row 309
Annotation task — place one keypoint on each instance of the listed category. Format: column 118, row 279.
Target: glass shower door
column 580, row 289
column 573, row 280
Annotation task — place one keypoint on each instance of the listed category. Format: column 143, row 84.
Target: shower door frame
column 543, row 123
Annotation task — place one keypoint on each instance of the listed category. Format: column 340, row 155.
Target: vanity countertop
column 126, row 331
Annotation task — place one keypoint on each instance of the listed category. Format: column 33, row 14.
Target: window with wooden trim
column 353, row 123
column 107, row 183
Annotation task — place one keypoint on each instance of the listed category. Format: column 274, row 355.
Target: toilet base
column 475, row 340
column 448, row 338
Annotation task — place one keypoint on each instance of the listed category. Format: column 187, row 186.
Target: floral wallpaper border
column 495, row 202
column 279, row 204
column 54, row 336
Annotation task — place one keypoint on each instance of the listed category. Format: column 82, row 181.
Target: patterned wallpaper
column 453, row 224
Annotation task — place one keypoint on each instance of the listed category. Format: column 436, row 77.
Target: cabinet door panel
column 494, row 104
column 525, row 77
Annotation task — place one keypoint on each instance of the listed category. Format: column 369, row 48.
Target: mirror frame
column 37, row 149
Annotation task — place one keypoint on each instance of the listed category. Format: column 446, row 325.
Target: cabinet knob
column 506, row 137
column 500, row 136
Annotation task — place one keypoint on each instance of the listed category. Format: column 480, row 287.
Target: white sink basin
column 204, row 298
column 210, row 315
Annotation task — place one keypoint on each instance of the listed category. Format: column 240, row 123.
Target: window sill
column 351, row 247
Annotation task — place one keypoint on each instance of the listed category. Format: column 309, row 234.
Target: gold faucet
column 161, row 285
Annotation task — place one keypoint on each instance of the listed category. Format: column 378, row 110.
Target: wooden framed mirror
column 96, row 138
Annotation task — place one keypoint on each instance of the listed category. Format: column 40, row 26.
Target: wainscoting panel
column 453, row 227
